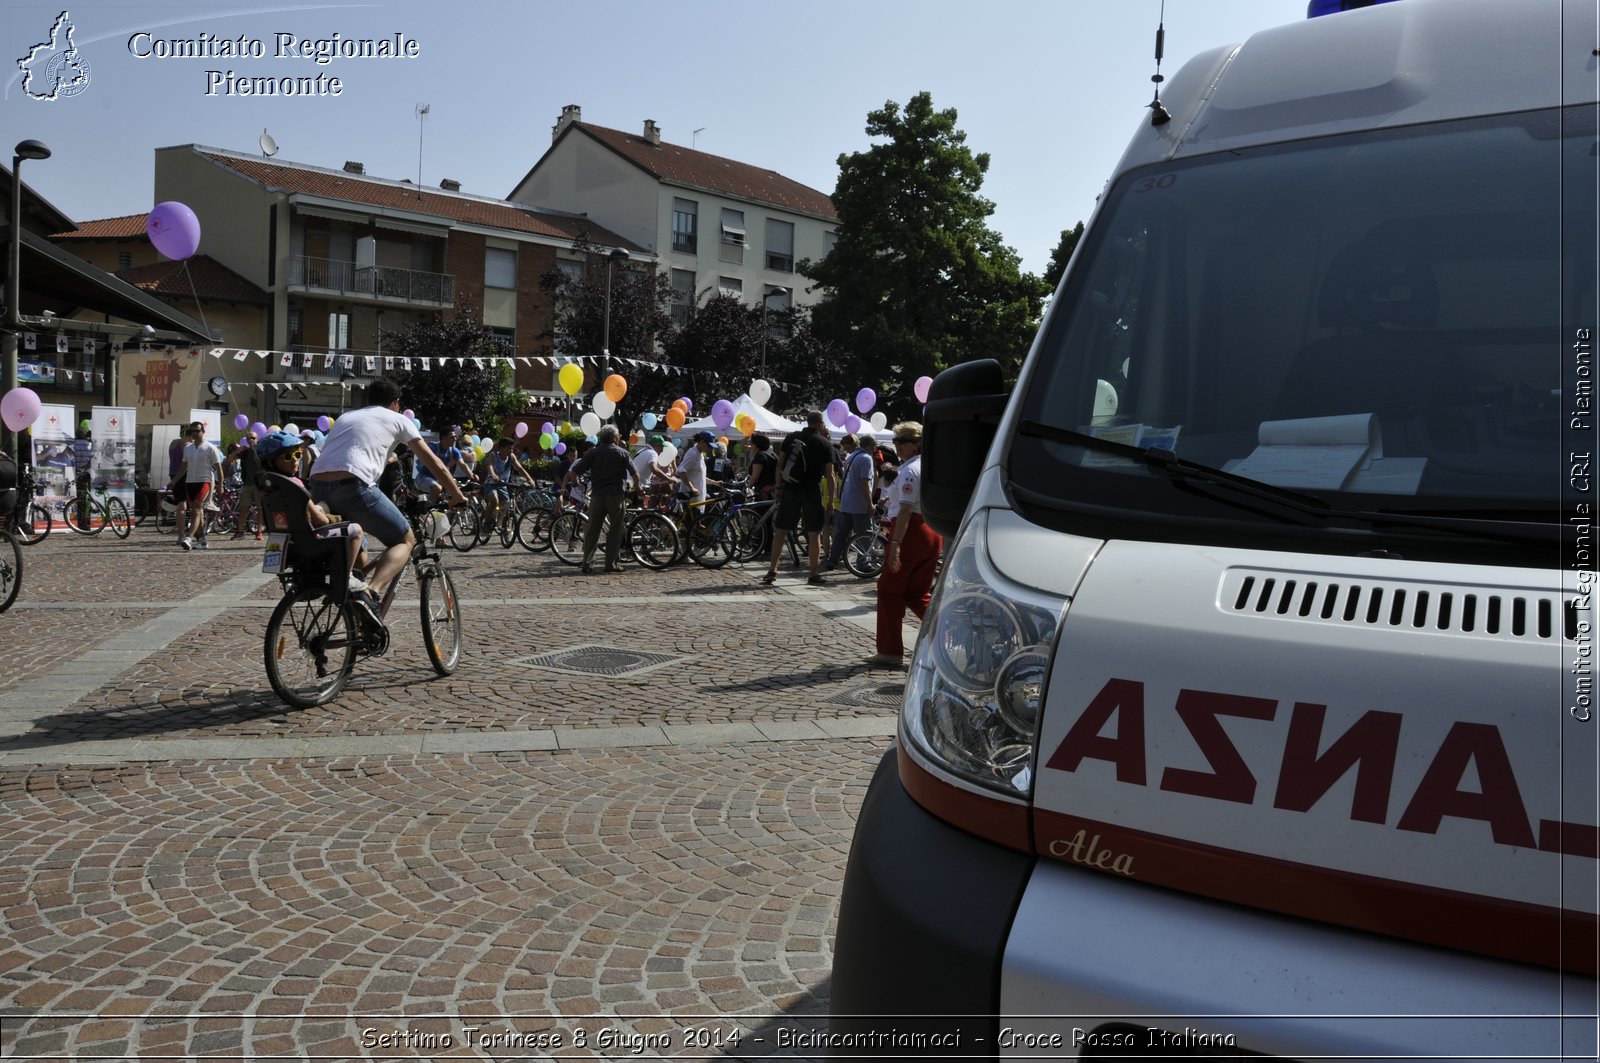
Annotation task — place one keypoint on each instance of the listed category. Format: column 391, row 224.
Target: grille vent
column 1514, row 615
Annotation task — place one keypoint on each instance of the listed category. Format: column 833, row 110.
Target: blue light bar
column 1330, row 7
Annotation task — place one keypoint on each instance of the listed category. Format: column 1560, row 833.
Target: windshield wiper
column 1196, row 476
column 1187, row 473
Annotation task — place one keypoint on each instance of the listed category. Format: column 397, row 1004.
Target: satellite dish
column 269, row 147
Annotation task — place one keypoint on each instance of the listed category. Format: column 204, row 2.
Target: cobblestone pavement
column 618, row 830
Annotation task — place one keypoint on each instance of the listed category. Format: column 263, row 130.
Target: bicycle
column 26, row 519
column 91, row 510
column 10, row 554
column 651, row 538
column 315, row 634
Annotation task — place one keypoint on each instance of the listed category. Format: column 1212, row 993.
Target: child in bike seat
column 280, row 452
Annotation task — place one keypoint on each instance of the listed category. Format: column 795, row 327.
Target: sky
column 1050, row 89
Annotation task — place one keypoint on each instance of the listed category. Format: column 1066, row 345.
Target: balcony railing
column 377, row 282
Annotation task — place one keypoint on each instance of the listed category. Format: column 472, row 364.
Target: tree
column 917, row 280
column 1062, row 255
column 641, row 318
column 453, row 393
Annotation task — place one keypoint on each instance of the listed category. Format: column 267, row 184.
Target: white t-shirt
column 692, row 469
column 361, row 440
column 908, row 486
column 201, row 462
column 644, row 463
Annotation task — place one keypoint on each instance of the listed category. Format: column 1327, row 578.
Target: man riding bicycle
column 353, row 458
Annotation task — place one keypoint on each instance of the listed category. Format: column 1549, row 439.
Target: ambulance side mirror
column 963, row 409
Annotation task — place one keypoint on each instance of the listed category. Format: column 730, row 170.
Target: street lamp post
column 27, row 149
column 774, row 292
column 617, row 255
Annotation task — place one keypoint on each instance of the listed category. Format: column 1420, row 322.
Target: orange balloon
column 615, row 387
column 675, row 418
column 679, row 404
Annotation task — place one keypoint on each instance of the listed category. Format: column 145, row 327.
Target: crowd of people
column 828, row 492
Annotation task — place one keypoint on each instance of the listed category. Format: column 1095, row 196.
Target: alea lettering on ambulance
column 1196, row 736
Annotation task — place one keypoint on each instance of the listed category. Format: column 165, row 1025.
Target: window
column 780, row 245
column 682, row 296
column 777, row 300
column 684, row 214
column 571, row 276
column 297, row 327
column 732, row 243
column 499, row 268
column 731, row 286
column 124, row 260
column 505, row 338
column 830, row 240
column 338, row 331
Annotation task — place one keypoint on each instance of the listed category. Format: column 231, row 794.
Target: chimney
column 652, row 132
column 569, row 114
column 354, row 167
column 450, row 186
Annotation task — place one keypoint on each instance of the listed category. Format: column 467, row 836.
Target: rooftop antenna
column 1159, row 115
column 421, row 117
column 695, row 142
column 269, row 147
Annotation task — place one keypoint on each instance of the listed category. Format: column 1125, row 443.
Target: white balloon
column 590, row 423
column 760, row 392
column 879, row 421
column 668, row 452
column 604, row 406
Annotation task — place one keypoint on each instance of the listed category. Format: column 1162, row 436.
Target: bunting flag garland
column 30, row 342
column 370, row 363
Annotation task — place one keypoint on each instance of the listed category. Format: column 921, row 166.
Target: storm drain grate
column 870, row 696
column 596, row 659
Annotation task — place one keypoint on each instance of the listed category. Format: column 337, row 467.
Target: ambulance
column 1254, row 714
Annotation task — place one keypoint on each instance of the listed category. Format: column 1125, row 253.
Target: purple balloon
column 522, row 429
column 324, row 423
column 837, row 411
column 688, row 404
column 174, row 229
column 722, row 413
column 259, row 429
column 866, row 399
column 561, row 448
column 241, row 421
column 548, row 429
column 852, row 424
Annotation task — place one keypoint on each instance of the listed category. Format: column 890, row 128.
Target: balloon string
column 200, row 307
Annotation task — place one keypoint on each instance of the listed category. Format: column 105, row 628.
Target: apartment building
column 712, row 222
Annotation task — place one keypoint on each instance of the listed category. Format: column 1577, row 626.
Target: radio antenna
column 1159, row 115
column 421, row 117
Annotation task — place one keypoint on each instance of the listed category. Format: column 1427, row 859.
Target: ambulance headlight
column 980, row 668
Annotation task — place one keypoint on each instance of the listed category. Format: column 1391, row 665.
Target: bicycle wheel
column 464, row 524
column 32, row 525
column 117, row 516
column 10, row 569
column 533, row 529
column 441, row 618
column 508, row 529
column 864, row 555
column 83, row 515
column 652, row 539
column 310, row 648
column 566, row 536
column 711, row 542
column 749, row 535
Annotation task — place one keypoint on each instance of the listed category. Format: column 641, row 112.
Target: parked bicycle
column 10, row 550
column 651, row 539
column 89, row 511
column 315, row 633
column 26, row 519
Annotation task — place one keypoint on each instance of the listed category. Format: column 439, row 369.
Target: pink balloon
column 174, row 229
column 522, row 429
column 920, row 389
column 19, row 408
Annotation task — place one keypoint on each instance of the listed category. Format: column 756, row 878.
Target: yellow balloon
column 571, row 378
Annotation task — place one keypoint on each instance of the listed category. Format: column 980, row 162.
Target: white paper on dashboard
column 1389, row 476
column 1312, row 452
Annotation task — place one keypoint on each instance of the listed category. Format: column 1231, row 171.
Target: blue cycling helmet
column 275, row 443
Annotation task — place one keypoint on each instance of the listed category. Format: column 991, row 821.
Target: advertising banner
column 53, row 460
column 112, row 429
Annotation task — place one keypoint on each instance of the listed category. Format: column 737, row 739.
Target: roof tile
column 204, row 277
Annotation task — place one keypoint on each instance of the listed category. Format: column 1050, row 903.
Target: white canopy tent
column 766, row 421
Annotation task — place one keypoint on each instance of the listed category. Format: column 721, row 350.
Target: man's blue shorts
column 364, row 504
